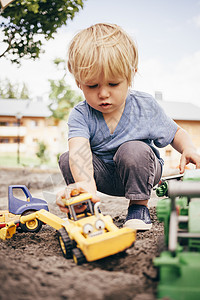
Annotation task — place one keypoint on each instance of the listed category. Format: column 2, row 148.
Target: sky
column 167, row 33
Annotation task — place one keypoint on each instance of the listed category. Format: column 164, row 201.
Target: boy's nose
column 104, row 93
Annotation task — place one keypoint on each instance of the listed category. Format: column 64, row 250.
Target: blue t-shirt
column 142, row 119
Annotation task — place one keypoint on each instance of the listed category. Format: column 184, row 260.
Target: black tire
column 31, row 226
column 78, row 256
column 65, row 242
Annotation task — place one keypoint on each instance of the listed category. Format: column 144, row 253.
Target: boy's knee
column 63, row 160
column 65, row 168
column 132, row 153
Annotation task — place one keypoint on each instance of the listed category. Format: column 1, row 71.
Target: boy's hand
column 81, row 187
column 189, row 156
column 182, row 142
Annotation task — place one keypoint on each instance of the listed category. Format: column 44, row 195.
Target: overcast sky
column 167, row 33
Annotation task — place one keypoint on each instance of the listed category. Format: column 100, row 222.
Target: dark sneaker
column 138, row 218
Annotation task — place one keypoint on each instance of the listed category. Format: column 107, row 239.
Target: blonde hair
column 103, row 48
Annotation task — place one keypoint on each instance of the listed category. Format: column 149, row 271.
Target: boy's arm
column 80, row 161
column 182, row 142
column 81, row 166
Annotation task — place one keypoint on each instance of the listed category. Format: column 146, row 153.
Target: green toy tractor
column 179, row 265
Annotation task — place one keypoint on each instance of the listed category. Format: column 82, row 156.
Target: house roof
column 27, row 108
column 181, row 110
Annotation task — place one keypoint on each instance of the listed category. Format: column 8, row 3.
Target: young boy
column 113, row 133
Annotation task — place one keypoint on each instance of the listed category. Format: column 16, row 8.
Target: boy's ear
column 78, row 84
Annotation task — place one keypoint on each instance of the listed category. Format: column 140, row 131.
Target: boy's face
column 106, row 96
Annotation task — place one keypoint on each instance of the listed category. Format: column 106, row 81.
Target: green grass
column 10, row 160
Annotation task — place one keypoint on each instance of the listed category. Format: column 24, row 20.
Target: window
column 35, row 140
column 20, row 194
column 18, row 140
column 4, row 140
column 33, row 123
column 4, row 123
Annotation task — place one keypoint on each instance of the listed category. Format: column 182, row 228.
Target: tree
column 24, row 92
column 62, row 96
column 13, row 91
column 42, row 153
column 26, row 22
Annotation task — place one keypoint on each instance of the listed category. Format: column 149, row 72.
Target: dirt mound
column 32, row 265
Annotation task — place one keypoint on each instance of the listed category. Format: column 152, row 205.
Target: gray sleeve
column 77, row 123
column 161, row 127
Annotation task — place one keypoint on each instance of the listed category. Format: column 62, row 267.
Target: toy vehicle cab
column 82, row 203
column 18, row 207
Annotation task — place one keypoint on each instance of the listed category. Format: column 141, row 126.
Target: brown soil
column 33, row 267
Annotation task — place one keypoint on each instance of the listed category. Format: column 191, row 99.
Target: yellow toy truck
column 85, row 236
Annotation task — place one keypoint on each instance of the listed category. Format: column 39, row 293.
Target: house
column 28, row 122
column 187, row 116
column 36, row 125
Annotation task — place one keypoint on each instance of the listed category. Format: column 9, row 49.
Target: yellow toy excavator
column 85, row 236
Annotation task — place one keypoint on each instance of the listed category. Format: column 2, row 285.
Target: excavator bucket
column 8, row 231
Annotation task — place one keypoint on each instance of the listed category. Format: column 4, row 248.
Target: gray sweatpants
column 136, row 171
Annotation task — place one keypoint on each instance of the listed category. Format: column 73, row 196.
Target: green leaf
column 22, row 21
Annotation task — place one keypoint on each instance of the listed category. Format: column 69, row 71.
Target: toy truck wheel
column 65, row 243
column 78, row 256
column 32, row 225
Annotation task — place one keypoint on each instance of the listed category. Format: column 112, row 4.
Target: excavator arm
column 46, row 217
